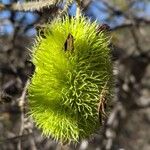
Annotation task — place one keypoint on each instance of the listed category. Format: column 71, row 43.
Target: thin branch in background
column 30, row 6
column 62, row 12
column 78, row 10
column 134, row 30
column 22, row 109
column 111, row 8
column 16, row 138
column 85, row 5
column 130, row 24
column 112, row 124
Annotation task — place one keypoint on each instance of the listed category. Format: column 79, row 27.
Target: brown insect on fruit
column 102, row 104
column 69, row 43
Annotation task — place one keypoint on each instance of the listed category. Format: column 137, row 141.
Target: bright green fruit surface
column 65, row 89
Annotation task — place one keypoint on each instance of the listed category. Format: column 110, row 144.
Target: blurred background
column 128, row 125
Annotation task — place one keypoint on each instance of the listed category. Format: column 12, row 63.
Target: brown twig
column 22, row 108
column 15, row 138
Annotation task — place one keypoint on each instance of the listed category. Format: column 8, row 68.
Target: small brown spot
column 69, row 43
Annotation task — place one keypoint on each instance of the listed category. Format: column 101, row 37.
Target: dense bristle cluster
column 65, row 90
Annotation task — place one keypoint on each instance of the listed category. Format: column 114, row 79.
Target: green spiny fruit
column 72, row 82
